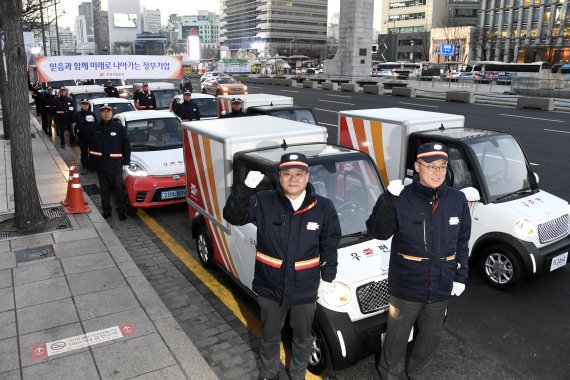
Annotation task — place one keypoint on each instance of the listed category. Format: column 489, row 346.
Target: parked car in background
column 118, row 104
column 225, row 85
column 76, row 93
column 57, row 84
column 211, row 74
column 163, row 92
column 207, row 104
column 155, row 177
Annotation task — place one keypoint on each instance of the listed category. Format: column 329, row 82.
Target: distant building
column 101, row 27
column 67, row 41
column 204, row 24
column 148, row 43
column 85, row 9
column 524, row 31
column 463, row 13
column 267, row 27
column 81, row 30
column 150, row 22
column 124, row 25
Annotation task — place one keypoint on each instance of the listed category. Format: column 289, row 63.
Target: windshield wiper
column 518, row 192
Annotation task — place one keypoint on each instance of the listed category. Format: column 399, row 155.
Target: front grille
column 553, row 229
column 373, row 297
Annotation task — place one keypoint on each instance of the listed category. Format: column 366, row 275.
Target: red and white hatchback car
column 155, row 176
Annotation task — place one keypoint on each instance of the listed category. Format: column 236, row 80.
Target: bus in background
column 400, row 70
column 493, row 70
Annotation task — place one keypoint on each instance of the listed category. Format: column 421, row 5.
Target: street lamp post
column 293, row 40
column 43, row 28
column 413, row 58
column 56, row 27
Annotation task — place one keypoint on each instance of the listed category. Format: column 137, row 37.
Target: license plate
column 559, row 261
column 172, row 194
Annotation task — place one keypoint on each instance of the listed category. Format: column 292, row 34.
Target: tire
column 320, row 359
column 500, row 267
column 204, row 248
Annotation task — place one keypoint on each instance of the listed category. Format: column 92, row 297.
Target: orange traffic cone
column 72, row 170
column 77, row 204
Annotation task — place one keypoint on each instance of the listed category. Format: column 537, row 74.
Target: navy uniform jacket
column 109, row 147
column 294, row 248
column 145, row 100
column 111, row 92
column 233, row 114
column 187, row 87
column 81, row 125
column 64, row 109
column 431, row 230
column 187, row 111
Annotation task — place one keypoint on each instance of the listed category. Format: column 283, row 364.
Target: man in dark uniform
column 298, row 233
column 236, row 109
column 430, row 226
column 187, row 86
column 84, row 119
column 144, row 99
column 51, row 94
column 65, row 116
column 111, row 90
column 35, row 95
column 41, row 107
column 187, row 110
column 109, row 151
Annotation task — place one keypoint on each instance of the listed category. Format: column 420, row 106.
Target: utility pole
column 56, row 27
column 43, row 27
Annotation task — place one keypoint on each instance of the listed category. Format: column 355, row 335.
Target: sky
column 182, row 7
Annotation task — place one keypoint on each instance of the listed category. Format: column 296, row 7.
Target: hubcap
column 499, row 268
column 203, row 248
column 316, row 354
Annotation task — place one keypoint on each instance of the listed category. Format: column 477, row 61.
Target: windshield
column 103, row 82
column 77, row 98
column 155, row 134
column 304, row 116
column 208, row 107
column 227, row 80
column 117, row 108
column 353, row 186
column 503, row 165
column 164, row 98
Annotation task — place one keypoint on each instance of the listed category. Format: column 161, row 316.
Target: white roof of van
column 147, row 114
column 402, row 115
column 109, row 100
column 85, row 89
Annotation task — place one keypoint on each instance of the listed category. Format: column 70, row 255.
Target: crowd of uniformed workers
column 298, row 233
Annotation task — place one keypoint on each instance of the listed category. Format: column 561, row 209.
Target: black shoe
column 107, row 214
column 122, row 215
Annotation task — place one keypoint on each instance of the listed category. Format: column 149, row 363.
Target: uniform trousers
column 402, row 315
column 105, row 183
column 272, row 319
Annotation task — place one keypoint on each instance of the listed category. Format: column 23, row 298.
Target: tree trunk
column 26, row 198
column 3, row 93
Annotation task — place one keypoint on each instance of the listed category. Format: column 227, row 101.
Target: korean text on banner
column 109, row 66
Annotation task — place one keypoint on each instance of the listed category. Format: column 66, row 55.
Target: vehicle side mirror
column 536, row 177
column 471, row 194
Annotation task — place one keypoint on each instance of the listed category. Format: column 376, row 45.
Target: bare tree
column 16, row 114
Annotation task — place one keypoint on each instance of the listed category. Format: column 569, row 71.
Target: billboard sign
column 109, row 66
column 125, row 20
column 447, row 50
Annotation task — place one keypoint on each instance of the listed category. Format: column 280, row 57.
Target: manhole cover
column 34, row 253
column 91, row 189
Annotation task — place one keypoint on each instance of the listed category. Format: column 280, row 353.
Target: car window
column 154, row 134
column 117, row 108
column 208, row 107
column 77, row 98
column 164, row 98
column 227, row 80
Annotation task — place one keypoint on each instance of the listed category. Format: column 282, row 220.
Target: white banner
column 109, row 66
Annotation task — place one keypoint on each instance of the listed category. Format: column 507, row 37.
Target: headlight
column 136, row 169
column 339, row 294
column 224, row 89
column 245, row 87
column 525, row 228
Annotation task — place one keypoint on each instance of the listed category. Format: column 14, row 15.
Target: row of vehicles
column 519, row 231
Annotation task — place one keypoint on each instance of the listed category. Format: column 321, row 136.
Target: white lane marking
column 533, row 164
column 321, row 109
column 254, row 87
column 421, row 105
column 332, row 101
column 288, row 91
column 340, row 96
column 331, row 125
column 533, row 118
column 555, row 130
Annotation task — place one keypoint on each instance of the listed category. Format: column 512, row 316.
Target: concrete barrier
column 407, row 92
column 349, row 87
column 460, row 96
column 545, row 104
column 329, row 86
column 372, row 89
column 289, row 82
column 309, row 84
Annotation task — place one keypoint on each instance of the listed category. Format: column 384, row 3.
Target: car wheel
column 320, row 359
column 204, row 247
column 500, row 267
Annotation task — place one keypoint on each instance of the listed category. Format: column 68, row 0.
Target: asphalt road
column 520, row 334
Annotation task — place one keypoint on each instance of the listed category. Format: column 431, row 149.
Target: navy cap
column 145, row 83
column 105, row 107
column 187, row 92
column 63, row 89
column 431, row 152
column 236, row 101
column 85, row 100
column 294, row 161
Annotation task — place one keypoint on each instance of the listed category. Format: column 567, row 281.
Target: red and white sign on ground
column 43, row 350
